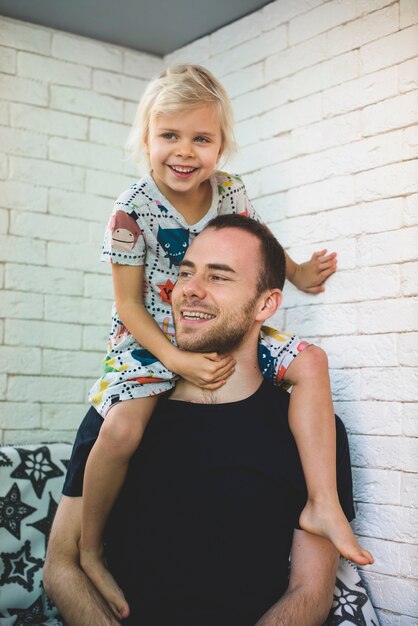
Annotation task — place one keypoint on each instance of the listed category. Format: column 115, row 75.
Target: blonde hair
column 178, row 88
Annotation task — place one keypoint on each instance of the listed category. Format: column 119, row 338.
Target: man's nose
column 194, row 288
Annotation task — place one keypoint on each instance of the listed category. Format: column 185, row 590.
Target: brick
column 336, row 131
column 391, row 247
column 47, row 173
column 369, row 217
column 408, row 13
column 141, row 65
column 410, row 420
column 410, row 143
column 4, row 166
column 4, row 113
column 22, row 414
column 43, row 279
column 247, row 132
column 7, row 60
column 77, row 310
column 377, row 486
column 371, row 418
column 271, row 208
column 244, row 29
column 16, row 89
column 296, row 58
column 96, row 337
column 409, row 555
column 368, row 6
column 72, row 363
column 344, row 384
column 360, row 92
column 86, row 51
column 327, row 320
column 389, row 50
column 244, row 80
column 198, row 50
column 329, row 194
column 99, row 287
column 387, row 557
column 42, row 388
column 275, row 13
column 321, row 19
column 409, row 279
column 4, row 221
column 363, row 30
column 48, row 122
column 106, row 184
column 13, row 437
column 259, row 101
column 387, row 181
column 3, row 386
column 80, row 205
column 411, row 210
column 361, row 350
column 387, row 316
column 290, row 116
column 393, row 113
column 53, row 71
column 408, row 349
column 20, row 305
column 85, row 154
column 86, row 103
column 408, row 75
column 118, row 85
column 264, row 153
column 66, row 416
column 74, row 257
column 20, row 249
column 409, row 495
column 388, row 453
column 20, row 360
column 389, row 384
column 324, row 75
column 108, row 133
column 43, row 334
column 395, row 594
column 14, row 195
column 23, row 142
column 129, row 112
column 17, row 34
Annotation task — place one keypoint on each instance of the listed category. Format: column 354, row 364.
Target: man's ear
column 268, row 304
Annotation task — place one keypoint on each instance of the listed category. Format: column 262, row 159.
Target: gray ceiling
column 155, row 26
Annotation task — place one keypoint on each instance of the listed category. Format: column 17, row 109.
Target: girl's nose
column 185, row 149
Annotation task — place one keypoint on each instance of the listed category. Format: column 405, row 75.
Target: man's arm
column 65, row 583
column 308, row 598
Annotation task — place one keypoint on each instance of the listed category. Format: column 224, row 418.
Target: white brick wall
column 327, row 124
column 325, row 94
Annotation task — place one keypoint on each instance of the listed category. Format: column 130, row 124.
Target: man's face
column 215, row 298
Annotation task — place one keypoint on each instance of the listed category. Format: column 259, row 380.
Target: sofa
column 31, row 478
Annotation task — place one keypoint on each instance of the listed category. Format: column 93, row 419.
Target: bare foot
column 95, row 568
column 328, row 520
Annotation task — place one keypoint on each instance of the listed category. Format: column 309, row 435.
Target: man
column 203, row 528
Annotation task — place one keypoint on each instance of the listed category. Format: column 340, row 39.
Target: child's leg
column 105, row 473
column 312, row 421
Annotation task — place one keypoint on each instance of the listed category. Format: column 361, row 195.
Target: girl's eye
column 168, row 136
column 201, row 139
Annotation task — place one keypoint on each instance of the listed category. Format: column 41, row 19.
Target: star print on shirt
column 20, row 567
column 36, row 466
column 347, row 606
column 44, row 524
column 5, row 461
column 12, row 511
column 34, row 614
column 166, row 291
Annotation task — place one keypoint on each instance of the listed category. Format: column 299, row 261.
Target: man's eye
column 184, row 274
column 217, row 278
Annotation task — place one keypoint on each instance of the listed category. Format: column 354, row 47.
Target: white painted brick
column 410, row 143
column 17, row 304
column 196, row 52
column 328, row 194
column 386, row 554
column 85, row 154
column 387, row 316
column 258, row 101
column 387, row 181
column 292, row 115
column 2, row 331
column 371, row 418
column 361, row 92
column 271, row 208
column 4, row 221
column 408, row 349
column 4, row 166
column 106, row 184
column 76, row 310
column 7, row 60
column 43, row 334
column 345, row 384
column 296, row 58
column 395, row 594
column 386, row 453
column 377, row 486
column 346, row 251
column 409, row 554
column 20, row 414
column 80, row 205
column 248, row 132
column 363, row 7
column 74, row 256
column 48, row 122
column 140, row 64
column 363, row 30
column 96, row 337
column 361, row 350
column 324, row 75
column 326, row 320
column 264, row 153
column 336, row 131
column 248, row 27
column 13, row 437
column 108, row 133
column 53, row 71
column 409, row 279
column 118, row 85
column 129, row 112
column 281, row 11
column 393, row 113
column 23, row 142
column 406, row 620
column 246, row 79
column 389, row 50
column 321, row 19
column 20, row 360
column 42, row 388
column 408, row 75
column 47, row 173
column 409, row 13
column 411, row 210
column 86, row 102
column 409, row 495
column 389, row 384
column 20, row 249
column 4, row 113
column 99, row 287
column 43, row 279
column 391, row 247
column 16, row 89
column 73, row 363
column 3, row 386
column 16, row 195
column 17, row 34
column 86, row 51
column 410, row 420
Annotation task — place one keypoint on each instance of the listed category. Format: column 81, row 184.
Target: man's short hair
column 272, row 272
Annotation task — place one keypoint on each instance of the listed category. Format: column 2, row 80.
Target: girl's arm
column 311, row 275
column 208, row 371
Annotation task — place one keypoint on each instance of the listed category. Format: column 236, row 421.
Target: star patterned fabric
column 36, row 466
column 20, row 567
column 44, row 524
column 13, row 511
column 34, row 614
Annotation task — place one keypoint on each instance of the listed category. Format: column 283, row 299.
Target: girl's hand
column 207, row 370
column 311, row 275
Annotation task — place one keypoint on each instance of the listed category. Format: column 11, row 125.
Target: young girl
column 184, row 126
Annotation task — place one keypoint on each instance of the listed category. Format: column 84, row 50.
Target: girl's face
column 184, row 149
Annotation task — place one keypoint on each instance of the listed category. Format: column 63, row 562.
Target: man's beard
column 224, row 337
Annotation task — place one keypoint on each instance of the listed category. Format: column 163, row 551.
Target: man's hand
column 311, row 275
column 208, row 371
